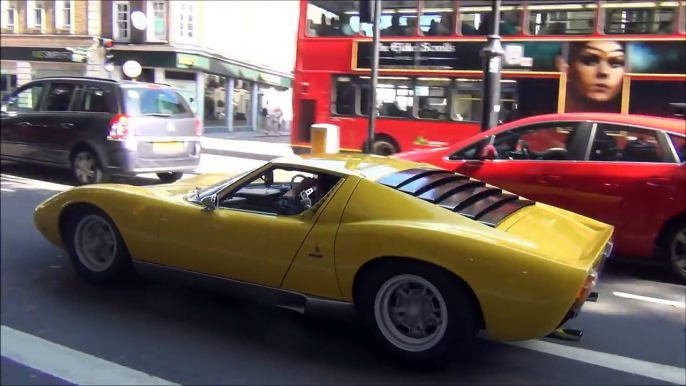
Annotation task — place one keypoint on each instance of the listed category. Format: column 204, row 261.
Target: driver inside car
column 304, row 194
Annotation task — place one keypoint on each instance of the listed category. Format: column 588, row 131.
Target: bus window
column 344, row 96
column 332, row 18
column 475, row 17
column 398, row 18
column 637, row 18
column 682, row 24
column 394, row 97
column 438, row 18
column 570, row 18
column 431, row 97
column 466, row 100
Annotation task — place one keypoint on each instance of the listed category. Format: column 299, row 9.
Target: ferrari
column 426, row 256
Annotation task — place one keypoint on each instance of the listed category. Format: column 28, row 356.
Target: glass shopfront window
column 241, row 103
column 215, row 101
column 8, row 84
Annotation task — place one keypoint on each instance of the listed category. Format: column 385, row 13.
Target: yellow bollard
column 324, row 139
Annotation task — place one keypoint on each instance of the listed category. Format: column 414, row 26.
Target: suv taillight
column 120, row 127
column 198, row 127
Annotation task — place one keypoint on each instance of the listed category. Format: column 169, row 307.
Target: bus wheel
column 385, row 146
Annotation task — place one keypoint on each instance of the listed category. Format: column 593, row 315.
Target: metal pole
column 492, row 55
column 374, row 78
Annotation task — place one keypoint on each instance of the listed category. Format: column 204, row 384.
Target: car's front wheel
column 420, row 314
column 96, row 248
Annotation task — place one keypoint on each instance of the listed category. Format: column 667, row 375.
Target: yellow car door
column 246, row 246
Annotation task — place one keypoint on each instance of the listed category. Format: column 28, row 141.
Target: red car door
column 531, row 160
column 626, row 180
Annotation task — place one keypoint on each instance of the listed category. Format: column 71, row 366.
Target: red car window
column 680, row 146
column 616, row 143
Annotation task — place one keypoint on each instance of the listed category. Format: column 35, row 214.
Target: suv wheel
column 170, row 177
column 87, row 168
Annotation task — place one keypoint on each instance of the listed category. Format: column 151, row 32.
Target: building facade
column 228, row 58
column 39, row 38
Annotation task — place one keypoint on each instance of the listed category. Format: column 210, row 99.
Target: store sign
column 52, row 55
column 192, row 61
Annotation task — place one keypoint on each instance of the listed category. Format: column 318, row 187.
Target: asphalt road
column 187, row 336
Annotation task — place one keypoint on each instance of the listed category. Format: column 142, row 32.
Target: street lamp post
column 374, row 78
column 492, row 55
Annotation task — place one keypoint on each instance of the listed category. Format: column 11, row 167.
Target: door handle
column 67, row 125
column 23, row 124
column 657, row 181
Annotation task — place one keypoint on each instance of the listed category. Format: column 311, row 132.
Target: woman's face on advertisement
column 597, row 71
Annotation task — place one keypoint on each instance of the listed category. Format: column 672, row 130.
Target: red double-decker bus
column 560, row 56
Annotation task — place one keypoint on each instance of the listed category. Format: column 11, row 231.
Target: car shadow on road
column 63, row 177
column 638, row 269
column 316, row 348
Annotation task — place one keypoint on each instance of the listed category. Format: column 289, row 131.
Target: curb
column 238, row 154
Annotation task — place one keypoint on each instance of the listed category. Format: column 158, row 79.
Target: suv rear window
column 154, row 101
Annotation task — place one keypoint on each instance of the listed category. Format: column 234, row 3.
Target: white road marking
column 6, row 190
column 651, row 300
column 68, row 364
column 657, row 371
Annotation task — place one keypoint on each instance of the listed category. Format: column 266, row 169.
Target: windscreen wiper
column 156, row 115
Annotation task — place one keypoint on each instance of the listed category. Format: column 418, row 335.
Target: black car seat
column 604, row 147
column 637, row 150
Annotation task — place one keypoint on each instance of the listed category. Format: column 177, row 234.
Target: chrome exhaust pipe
column 566, row 334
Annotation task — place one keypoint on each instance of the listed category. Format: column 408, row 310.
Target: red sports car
column 624, row 170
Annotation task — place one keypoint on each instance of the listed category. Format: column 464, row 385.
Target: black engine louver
column 460, row 194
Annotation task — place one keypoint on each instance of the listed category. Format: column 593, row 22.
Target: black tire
column 461, row 329
column 169, row 177
column 120, row 267
column 385, row 146
column 673, row 249
column 86, row 167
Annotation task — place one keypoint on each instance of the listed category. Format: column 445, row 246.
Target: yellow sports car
column 428, row 257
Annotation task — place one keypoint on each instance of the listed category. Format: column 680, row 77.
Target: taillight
column 198, row 127
column 120, row 127
column 589, row 283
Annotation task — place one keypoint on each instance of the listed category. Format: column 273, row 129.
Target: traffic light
column 108, row 44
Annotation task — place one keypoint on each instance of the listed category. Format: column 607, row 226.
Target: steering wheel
column 294, row 177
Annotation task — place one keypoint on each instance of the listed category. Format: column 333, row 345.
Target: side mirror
column 488, row 153
column 209, row 203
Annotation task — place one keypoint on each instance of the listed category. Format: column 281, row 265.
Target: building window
column 157, row 20
column 122, row 20
column 187, row 22
column 36, row 14
column 64, row 14
column 9, row 15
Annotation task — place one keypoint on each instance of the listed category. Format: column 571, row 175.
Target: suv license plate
column 167, row 147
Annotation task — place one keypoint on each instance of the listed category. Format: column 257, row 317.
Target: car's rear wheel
column 96, row 248
column 170, row 176
column 87, row 168
column 673, row 249
column 420, row 314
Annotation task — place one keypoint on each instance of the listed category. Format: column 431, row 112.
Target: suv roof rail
column 78, row 77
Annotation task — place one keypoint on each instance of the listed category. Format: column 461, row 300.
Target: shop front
column 227, row 96
column 21, row 65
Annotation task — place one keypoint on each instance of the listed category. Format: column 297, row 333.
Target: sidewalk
column 247, row 144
